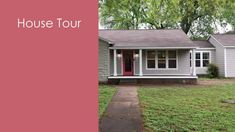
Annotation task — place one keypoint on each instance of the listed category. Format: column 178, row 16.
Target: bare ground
column 202, row 82
column 208, row 82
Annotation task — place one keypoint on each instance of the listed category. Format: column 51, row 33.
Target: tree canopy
column 197, row 18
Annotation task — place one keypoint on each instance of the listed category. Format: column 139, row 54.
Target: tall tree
column 227, row 14
column 121, row 14
column 197, row 18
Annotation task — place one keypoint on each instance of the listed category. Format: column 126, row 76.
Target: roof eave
column 106, row 40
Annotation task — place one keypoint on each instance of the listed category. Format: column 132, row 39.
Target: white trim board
column 205, row 48
column 225, row 62
column 152, row 77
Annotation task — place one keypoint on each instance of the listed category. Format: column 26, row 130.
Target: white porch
column 154, row 77
column 140, row 60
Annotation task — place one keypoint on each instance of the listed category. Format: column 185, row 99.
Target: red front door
column 127, row 62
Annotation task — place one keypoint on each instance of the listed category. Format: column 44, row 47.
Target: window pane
column 151, row 63
column 205, row 63
column 161, row 63
column 198, row 63
column 198, row 56
column 151, row 54
column 161, row 54
column 190, row 56
column 172, row 54
column 172, row 63
column 206, row 56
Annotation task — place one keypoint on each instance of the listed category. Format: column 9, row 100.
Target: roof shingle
column 225, row 39
column 147, row 38
column 203, row 44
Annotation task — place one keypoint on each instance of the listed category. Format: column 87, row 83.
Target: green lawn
column 188, row 109
column 106, row 93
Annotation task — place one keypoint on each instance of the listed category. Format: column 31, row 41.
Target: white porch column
column 193, row 63
column 140, row 63
column 115, row 62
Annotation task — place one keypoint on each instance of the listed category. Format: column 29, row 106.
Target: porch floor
column 155, row 77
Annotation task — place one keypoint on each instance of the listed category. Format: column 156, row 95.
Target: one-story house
column 147, row 56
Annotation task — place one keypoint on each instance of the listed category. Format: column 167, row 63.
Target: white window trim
column 201, row 58
column 156, row 61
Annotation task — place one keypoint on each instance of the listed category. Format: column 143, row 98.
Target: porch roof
column 172, row 38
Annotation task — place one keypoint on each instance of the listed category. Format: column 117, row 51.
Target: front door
column 127, row 62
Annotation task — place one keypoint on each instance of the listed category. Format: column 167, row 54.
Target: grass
column 188, row 109
column 106, row 93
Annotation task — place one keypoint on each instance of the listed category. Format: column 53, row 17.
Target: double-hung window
column 205, row 59
column 198, row 59
column 202, row 59
column 161, row 59
column 151, row 54
column 172, row 62
column 166, row 59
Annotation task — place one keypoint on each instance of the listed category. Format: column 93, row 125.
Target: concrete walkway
column 123, row 113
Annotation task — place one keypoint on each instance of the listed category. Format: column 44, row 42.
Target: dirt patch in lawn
column 202, row 82
column 208, row 82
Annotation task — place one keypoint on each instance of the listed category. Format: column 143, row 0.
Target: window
column 202, row 59
column 172, row 59
column 206, row 59
column 161, row 59
column 151, row 59
column 198, row 59
column 166, row 59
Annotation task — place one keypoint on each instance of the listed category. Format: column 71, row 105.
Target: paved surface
column 123, row 113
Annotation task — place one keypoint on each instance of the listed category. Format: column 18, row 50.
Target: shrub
column 213, row 71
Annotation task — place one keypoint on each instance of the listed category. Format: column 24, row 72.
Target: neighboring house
column 148, row 56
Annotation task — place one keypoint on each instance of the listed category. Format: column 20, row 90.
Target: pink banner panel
column 48, row 66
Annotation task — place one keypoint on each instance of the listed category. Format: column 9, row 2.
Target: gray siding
column 203, row 70
column 219, row 55
column 183, row 65
column 103, row 61
column 230, row 59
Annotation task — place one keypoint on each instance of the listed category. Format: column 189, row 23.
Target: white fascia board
column 229, row 46
column 206, row 48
